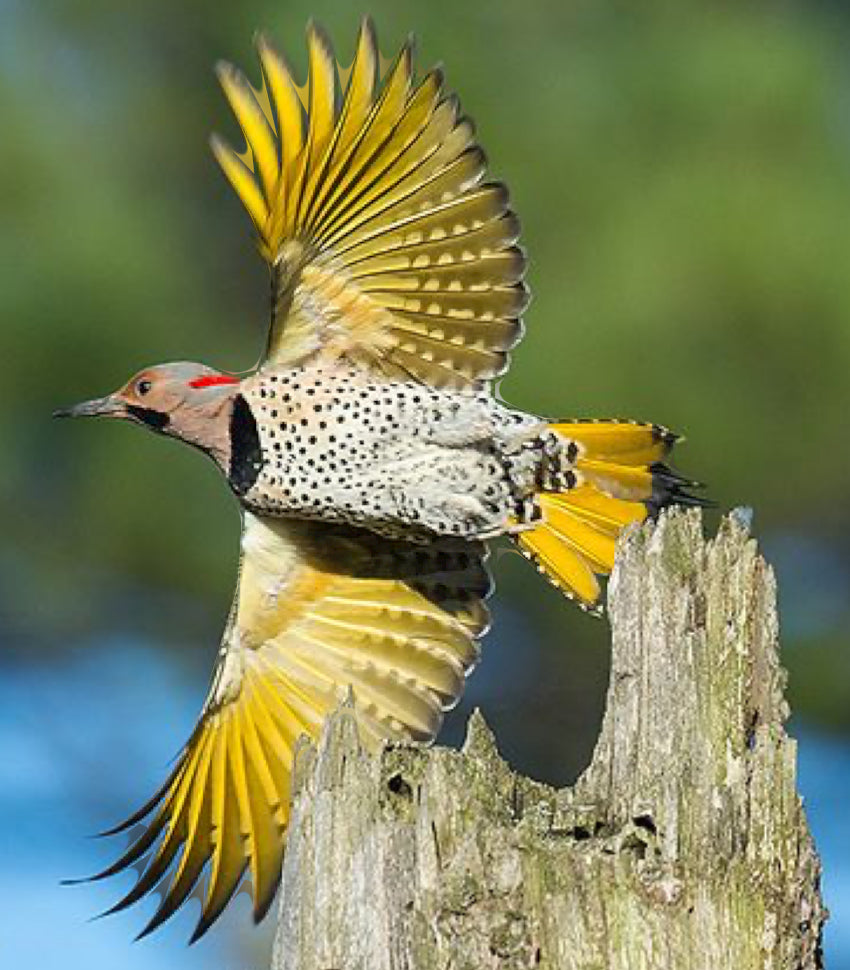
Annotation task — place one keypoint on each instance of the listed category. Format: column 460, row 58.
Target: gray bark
column 683, row 845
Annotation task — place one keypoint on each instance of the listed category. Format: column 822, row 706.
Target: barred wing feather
column 320, row 611
column 386, row 245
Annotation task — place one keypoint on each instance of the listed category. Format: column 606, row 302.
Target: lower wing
column 319, row 611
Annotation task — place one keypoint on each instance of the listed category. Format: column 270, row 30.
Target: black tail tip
column 667, row 437
column 669, row 488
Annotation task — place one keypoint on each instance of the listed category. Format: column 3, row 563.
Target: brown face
column 151, row 397
column 184, row 400
column 138, row 400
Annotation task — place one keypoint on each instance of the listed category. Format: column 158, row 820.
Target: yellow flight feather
column 255, row 127
column 360, row 87
column 243, row 182
column 352, row 120
column 387, row 169
column 380, row 623
column 289, row 114
column 322, row 110
column 197, row 828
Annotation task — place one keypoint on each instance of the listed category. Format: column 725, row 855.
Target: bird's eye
column 142, row 387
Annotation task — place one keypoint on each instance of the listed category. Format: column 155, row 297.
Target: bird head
column 184, row 400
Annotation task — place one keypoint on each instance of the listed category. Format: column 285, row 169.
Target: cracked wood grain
column 683, row 845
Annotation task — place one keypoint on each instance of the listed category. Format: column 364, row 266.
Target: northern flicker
column 369, row 455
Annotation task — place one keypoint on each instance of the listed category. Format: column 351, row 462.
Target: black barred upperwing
column 320, row 611
column 386, row 246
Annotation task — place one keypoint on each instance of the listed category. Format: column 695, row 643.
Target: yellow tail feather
column 618, row 479
column 576, row 538
column 623, row 442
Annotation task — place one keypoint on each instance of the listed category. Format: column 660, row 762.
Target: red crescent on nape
column 211, row 380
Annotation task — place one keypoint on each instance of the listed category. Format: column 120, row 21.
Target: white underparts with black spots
column 398, row 458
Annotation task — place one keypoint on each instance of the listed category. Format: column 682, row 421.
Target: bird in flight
column 369, row 455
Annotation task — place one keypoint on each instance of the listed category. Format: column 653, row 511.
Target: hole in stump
column 645, row 822
column 398, row 786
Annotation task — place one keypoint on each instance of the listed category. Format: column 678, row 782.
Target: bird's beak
column 109, row 407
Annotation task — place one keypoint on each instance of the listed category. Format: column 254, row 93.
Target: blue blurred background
column 683, row 175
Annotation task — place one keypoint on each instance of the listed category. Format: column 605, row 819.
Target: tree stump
column 683, row 845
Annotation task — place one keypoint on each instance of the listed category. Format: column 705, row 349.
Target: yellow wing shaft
column 319, row 612
column 386, row 245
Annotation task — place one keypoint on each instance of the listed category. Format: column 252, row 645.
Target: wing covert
column 319, row 611
column 386, row 245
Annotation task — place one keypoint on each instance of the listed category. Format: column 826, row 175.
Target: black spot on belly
column 246, row 455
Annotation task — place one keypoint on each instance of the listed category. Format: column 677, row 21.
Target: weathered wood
column 683, row 845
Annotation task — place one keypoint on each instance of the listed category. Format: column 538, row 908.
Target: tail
column 616, row 475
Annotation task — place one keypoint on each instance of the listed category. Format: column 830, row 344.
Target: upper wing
column 385, row 245
column 319, row 610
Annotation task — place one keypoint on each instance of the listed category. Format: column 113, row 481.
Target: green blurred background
column 683, row 175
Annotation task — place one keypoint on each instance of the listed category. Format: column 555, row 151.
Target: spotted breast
column 399, row 458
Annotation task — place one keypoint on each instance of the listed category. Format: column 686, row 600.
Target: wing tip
column 217, row 143
column 166, row 909
column 209, row 914
column 268, row 50
column 318, row 37
column 263, row 905
column 368, row 31
column 227, row 74
column 222, row 66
